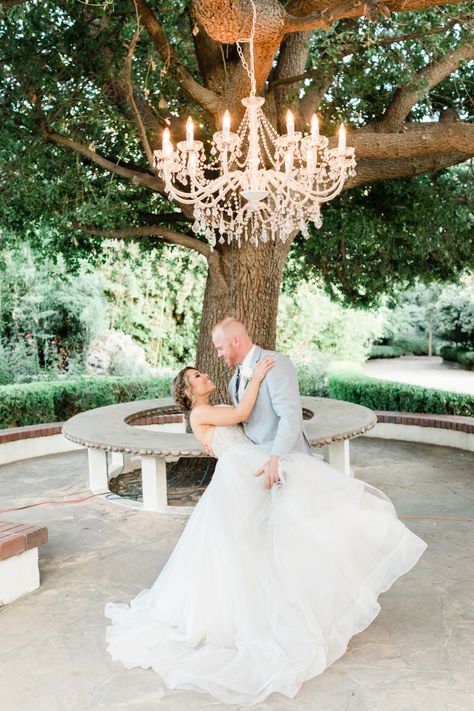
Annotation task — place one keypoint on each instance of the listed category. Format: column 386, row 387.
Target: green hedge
column 56, row 401
column 385, row 352
column 412, row 346
column 404, row 346
column 452, row 353
column 397, row 397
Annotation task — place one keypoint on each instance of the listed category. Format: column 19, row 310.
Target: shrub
column 385, row 352
column 313, row 375
column 56, row 401
column 354, row 386
column 466, row 358
column 454, row 315
column 28, row 404
column 309, row 323
column 404, row 346
column 412, row 346
column 457, row 355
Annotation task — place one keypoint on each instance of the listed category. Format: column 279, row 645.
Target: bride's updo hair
column 181, row 390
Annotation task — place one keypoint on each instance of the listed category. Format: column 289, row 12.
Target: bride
column 265, row 587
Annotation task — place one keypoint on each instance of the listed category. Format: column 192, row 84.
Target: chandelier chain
column 249, row 69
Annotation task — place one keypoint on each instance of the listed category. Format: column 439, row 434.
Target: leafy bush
column 457, row 355
column 455, row 316
column 6, row 375
column 412, row 346
column 354, row 386
column 385, row 352
column 309, row 324
column 47, row 316
column 313, row 375
column 115, row 353
column 56, row 401
column 466, row 358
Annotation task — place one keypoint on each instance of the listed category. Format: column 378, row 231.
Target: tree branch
column 137, row 177
column 323, row 19
column 373, row 171
column 308, row 8
column 407, row 96
column 206, row 98
column 152, row 218
column 184, row 240
column 420, row 139
column 137, row 116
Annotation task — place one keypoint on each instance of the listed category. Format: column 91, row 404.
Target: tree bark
column 242, row 282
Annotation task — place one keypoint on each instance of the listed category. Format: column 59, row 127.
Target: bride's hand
column 262, row 367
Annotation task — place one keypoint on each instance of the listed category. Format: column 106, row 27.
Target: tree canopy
column 87, row 88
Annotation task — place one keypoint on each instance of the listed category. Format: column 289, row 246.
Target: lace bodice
column 224, row 437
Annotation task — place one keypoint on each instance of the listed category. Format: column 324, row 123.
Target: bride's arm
column 209, row 415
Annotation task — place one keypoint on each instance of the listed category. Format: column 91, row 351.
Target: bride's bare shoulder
column 197, row 413
column 214, row 415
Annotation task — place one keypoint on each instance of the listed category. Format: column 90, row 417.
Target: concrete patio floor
column 418, row 654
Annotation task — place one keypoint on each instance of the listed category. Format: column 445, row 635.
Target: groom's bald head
column 231, row 340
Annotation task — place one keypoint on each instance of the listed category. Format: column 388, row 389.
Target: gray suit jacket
column 277, row 416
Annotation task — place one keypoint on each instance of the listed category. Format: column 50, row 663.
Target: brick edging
column 13, row 434
column 445, row 422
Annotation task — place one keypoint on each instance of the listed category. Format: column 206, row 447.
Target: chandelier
column 258, row 185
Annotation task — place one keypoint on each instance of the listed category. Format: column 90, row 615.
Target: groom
column 277, row 416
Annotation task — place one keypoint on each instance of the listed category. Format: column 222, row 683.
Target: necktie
column 237, row 383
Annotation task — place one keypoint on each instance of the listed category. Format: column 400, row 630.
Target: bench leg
column 98, row 470
column 154, row 484
column 19, row 575
column 338, row 456
column 119, row 461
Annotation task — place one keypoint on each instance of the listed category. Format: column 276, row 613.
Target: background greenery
column 56, row 321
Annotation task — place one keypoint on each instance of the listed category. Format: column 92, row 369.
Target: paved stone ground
column 429, row 372
column 418, row 654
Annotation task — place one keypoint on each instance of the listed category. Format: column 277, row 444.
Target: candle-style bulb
column 290, row 124
column 189, row 133
column 314, row 127
column 166, row 145
column 226, row 124
column 192, row 163
column 342, row 140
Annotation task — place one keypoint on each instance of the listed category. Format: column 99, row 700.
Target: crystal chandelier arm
column 324, row 195
column 221, row 186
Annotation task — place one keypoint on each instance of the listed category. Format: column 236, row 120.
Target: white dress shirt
column 245, row 364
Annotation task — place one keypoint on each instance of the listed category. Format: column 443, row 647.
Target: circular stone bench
column 118, row 429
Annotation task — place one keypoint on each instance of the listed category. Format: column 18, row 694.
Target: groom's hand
column 270, row 471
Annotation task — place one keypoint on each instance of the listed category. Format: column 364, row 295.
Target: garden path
column 421, row 370
column 417, row 654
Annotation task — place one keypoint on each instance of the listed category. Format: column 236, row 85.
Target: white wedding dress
column 265, row 588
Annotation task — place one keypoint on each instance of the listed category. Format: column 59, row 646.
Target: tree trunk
column 243, row 282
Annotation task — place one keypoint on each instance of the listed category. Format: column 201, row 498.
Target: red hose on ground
column 92, row 496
